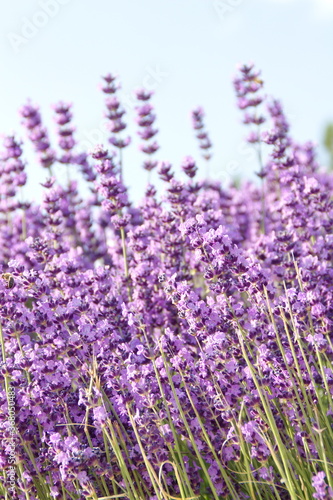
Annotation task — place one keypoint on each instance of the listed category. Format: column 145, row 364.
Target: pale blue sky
column 192, row 45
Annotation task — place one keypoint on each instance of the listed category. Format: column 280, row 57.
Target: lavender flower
column 115, row 114
column 38, row 134
column 63, row 117
column 323, row 491
column 198, row 115
column 145, row 120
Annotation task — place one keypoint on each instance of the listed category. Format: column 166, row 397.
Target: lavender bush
column 177, row 349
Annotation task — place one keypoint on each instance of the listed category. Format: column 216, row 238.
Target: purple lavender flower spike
column 205, row 144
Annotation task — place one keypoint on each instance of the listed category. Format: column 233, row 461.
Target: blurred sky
column 188, row 50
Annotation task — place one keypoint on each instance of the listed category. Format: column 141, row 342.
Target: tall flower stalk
column 114, row 114
column 201, row 134
column 145, row 119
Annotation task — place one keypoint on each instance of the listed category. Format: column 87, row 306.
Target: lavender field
column 175, row 348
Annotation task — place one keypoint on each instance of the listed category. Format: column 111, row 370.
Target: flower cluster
column 38, row 134
column 145, row 120
column 179, row 348
column 114, row 113
column 63, row 117
column 198, row 115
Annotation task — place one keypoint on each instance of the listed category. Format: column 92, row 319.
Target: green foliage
column 328, row 142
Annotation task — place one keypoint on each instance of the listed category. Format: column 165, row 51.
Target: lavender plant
column 176, row 349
